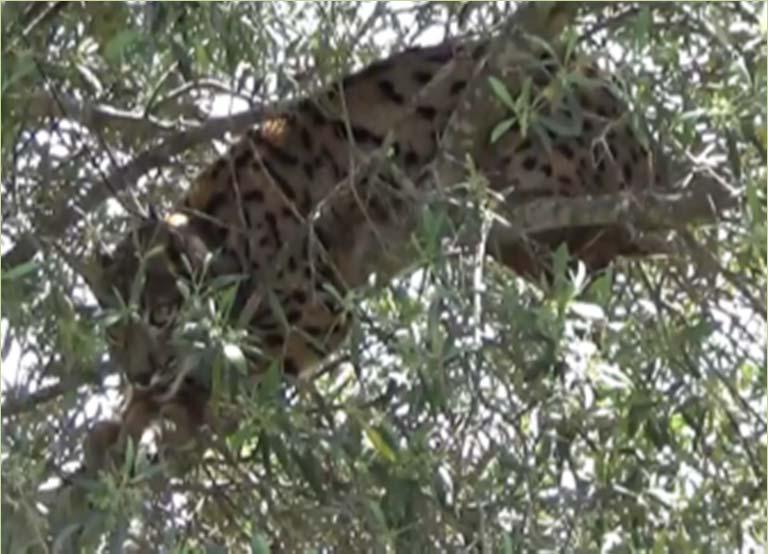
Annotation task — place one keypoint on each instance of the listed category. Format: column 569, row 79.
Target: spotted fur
column 252, row 210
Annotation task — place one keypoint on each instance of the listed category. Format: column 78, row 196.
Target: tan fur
column 251, row 209
column 182, row 415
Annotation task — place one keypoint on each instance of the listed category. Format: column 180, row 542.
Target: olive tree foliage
column 470, row 410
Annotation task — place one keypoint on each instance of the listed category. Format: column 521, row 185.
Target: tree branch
column 647, row 210
column 122, row 178
column 15, row 405
column 18, row 400
column 95, row 117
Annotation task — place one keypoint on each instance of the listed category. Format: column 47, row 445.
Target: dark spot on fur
column 457, row 87
column 309, row 171
column 365, row 74
column 613, row 150
column 387, row 88
column 565, row 180
column 529, row 163
column 427, row 112
column 361, row 135
column 377, row 210
column 306, row 139
column 254, row 195
column 411, row 158
column 439, row 54
column 214, row 202
column 210, row 231
column 479, row 51
column 587, row 125
column 281, row 181
column 274, row 339
column 314, row 331
column 524, row 145
column 278, row 153
column 422, row 77
column 306, row 202
column 293, row 316
column 242, row 159
column 308, row 108
column 364, row 136
column 339, row 129
column 547, row 170
column 272, row 224
column 565, row 150
column 324, row 240
column 217, row 168
column 290, row 367
column 247, row 218
column 328, row 157
column 299, row 296
column 627, row 170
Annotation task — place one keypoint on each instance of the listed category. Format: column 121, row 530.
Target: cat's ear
column 94, row 270
column 185, row 241
column 152, row 214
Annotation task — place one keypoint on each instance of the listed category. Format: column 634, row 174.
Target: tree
column 471, row 410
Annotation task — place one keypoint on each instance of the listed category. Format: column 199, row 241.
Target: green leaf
column 561, row 126
column 506, row 544
column 120, row 43
column 19, row 271
column 501, row 128
column 379, row 444
column 259, row 544
column 24, row 65
column 642, row 26
column 311, row 471
column 501, row 92
column 378, row 514
column 523, row 102
column 560, row 260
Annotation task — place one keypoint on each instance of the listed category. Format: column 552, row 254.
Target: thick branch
column 647, row 211
column 15, row 405
column 648, row 214
column 18, row 401
column 95, row 117
column 124, row 177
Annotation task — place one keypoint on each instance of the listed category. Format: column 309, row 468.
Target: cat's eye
column 114, row 337
column 162, row 315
